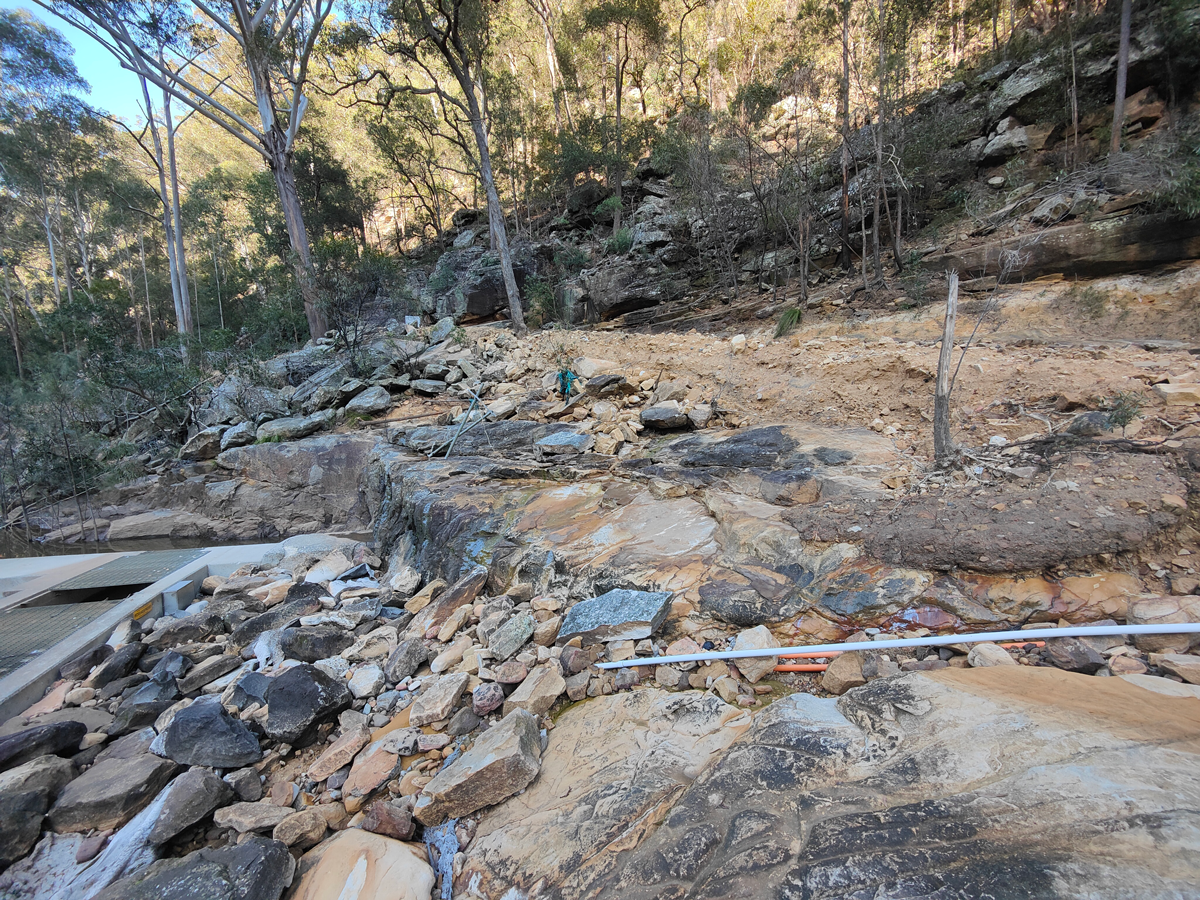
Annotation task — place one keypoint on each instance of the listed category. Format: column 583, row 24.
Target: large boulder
column 204, row 734
column 619, row 615
column 26, row 792
column 503, row 761
column 191, row 797
column 123, row 780
column 41, row 740
column 254, row 869
column 204, row 444
column 1085, row 249
column 299, row 700
column 467, row 284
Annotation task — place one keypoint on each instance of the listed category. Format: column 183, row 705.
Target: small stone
column 389, row 819
column 577, row 686
column 427, row 742
column 487, row 698
column 511, row 636
column 246, row 784
column 301, row 830
column 340, row 753
column 727, row 689
column 757, row 638
column 538, row 691
column 844, row 672
column 989, row 654
column 511, row 672
column 464, row 722
column 545, row 633
column 1073, row 655
column 1186, row 667
column 246, row 817
column 1127, row 665
column 437, row 699
column 408, row 656
column 451, row 656
column 79, row 695
column 670, row 678
column 367, row 681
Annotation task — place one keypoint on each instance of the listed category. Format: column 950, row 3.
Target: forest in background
column 296, row 159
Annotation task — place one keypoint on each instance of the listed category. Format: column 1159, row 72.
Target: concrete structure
column 26, row 581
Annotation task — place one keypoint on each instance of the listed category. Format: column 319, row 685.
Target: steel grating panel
column 26, row 632
column 141, row 568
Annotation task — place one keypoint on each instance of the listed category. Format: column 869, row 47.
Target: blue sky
column 114, row 90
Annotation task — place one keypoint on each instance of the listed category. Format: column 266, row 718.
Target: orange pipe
column 808, row 667
column 1023, row 644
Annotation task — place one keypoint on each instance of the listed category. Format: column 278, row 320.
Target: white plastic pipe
column 1031, row 634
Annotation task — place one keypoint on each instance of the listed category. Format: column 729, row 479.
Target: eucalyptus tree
column 443, row 46
column 636, row 26
column 275, row 40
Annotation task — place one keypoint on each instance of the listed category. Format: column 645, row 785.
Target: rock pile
column 310, row 716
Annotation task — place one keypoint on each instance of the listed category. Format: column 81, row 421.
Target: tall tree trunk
column 880, row 182
column 1118, row 126
column 176, row 233
column 182, row 316
column 844, row 101
column 618, row 174
column 81, row 232
column 217, row 282
column 146, row 282
column 50, row 247
column 495, row 211
column 65, row 248
column 293, row 218
column 13, row 327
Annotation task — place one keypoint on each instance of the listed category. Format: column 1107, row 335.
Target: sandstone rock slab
column 500, row 763
column 538, row 691
column 359, row 865
column 593, row 798
column 437, row 699
column 828, row 799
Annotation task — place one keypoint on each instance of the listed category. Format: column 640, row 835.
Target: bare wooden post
column 943, row 446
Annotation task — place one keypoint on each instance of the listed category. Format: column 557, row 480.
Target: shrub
column 571, row 259
column 620, row 243
column 788, row 321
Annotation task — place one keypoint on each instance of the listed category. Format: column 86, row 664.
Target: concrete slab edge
column 28, row 684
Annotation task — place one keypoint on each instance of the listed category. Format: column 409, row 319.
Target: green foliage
column 571, row 259
column 544, row 306
column 607, row 207
column 789, row 321
column 620, row 243
column 1124, row 409
column 754, row 100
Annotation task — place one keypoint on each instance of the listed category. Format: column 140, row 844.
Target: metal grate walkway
column 26, row 632
column 142, row 568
